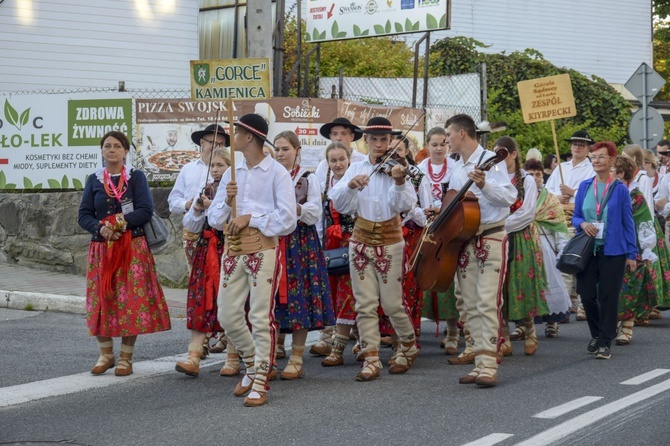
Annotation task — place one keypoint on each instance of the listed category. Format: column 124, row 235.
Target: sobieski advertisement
column 53, row 141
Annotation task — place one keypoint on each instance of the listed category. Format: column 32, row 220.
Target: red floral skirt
column 137, row 305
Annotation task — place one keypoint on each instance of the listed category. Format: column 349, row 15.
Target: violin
column 209, row 191
column 391, row 158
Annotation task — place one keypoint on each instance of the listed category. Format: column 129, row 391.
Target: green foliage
column 382, row 56
column 661, row 8
column 601, row 109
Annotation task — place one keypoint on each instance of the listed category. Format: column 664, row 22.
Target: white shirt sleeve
column 345, row 199
column 283, row 219
column 177, row 199
column 646, row 186
column 311, row 210
column 219, row 212
column 525, row 215
column 646, row 237
column 498, row 189
column 193, row 222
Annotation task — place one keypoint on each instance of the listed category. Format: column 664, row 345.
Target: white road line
column 65, row 385
column 645, row 377
column 572, row 425
column 489, row 440
column 79, row 382
column 557, row 411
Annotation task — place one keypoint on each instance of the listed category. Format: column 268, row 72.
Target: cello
column 436, row 256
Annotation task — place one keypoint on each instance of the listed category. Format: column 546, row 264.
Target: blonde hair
column 338, row 145
column 649, row 157
column 223, row 153
column 636, row 153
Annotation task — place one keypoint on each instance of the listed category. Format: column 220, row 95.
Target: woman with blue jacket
column 611, row 223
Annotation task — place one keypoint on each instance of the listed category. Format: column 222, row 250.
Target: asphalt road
column 43, row 354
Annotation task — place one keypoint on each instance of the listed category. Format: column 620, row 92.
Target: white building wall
column 603, row 37
column 97, row 43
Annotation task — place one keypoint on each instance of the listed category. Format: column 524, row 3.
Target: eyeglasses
column 215, row 144
column 600, row 158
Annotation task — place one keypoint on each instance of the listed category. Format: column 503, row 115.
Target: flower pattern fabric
column 137, row 305
column 310, row 305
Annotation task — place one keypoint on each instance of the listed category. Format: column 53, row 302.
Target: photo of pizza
column 173, row 160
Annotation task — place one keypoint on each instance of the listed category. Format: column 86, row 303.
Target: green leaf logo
column 13, row 117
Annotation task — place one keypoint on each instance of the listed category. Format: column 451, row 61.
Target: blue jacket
column 620, row 237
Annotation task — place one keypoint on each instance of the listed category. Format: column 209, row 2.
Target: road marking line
column 65, row 385
column 645, row 377
column 557, row 411
column 572, row 425
column 489, row 440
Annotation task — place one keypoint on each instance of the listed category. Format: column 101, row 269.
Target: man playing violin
column 376, row 248
column 481, row 263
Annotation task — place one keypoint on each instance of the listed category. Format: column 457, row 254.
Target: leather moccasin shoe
column 255, row 402
column 241, row 390
column 463, row 358
column 486, row 380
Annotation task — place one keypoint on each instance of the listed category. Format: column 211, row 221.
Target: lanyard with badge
column 118, row 192
column 598, row 223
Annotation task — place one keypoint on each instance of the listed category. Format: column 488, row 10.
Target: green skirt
column 440, row 306
column 526, row 276
column 661, row 269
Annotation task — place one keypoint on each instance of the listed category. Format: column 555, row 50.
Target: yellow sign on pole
column 547, row 98
column 238, row 79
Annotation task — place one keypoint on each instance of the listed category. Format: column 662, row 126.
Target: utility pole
column 259, row 29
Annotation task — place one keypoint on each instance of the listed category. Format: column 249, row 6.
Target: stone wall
column 41, row 231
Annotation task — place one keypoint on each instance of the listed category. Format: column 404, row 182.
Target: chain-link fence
column 461, row 93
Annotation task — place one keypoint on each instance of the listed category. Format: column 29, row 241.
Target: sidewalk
column 45, row 290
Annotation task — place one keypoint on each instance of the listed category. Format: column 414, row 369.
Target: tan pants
column 481, row 273
column 252, row 275
column 376, row 276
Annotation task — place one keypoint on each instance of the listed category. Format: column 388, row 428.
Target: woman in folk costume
column 550, row 223
column 526, row 276
column 645, row 184
column 638, row 291
column 338, row 230
column 303, row 301
column 438, row 167
column 123, row 296
column 203, row 285
column 413, row 223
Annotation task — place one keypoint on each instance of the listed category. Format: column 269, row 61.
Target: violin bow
column 209, row 164
column 392, row 151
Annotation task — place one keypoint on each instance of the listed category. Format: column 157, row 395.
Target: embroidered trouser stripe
column 479, row 281
column 251, row 276
column 376, row 276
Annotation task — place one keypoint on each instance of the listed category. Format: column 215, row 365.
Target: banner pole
column 558, row 155
column 231, row 129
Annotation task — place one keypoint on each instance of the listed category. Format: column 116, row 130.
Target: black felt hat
column 581, row 136
column 379, row 125
column 209, row 130
column 255, row 124
column 343, row 122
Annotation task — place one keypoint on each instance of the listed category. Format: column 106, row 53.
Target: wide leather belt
column 490, row 228
column 190, row 236
column 377, row 233
column 247, row 241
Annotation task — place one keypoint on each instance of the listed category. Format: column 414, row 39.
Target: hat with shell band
column 255, row 124
column 379, row 125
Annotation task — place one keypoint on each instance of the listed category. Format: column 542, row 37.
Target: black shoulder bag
column 579, row 250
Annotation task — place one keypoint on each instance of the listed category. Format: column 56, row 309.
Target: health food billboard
column 53, row 141
column 354, row 19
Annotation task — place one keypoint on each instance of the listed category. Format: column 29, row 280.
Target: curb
column 18, row 300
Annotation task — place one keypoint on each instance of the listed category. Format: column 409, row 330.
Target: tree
column 370, row 57
column 601, row 109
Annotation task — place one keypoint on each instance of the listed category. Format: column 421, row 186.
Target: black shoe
column 603, row 353
column 592, row 347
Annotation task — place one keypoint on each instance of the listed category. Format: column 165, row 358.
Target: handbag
column 576, row 254
column 337, row 260
column 579, row 249
column 156, row 232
